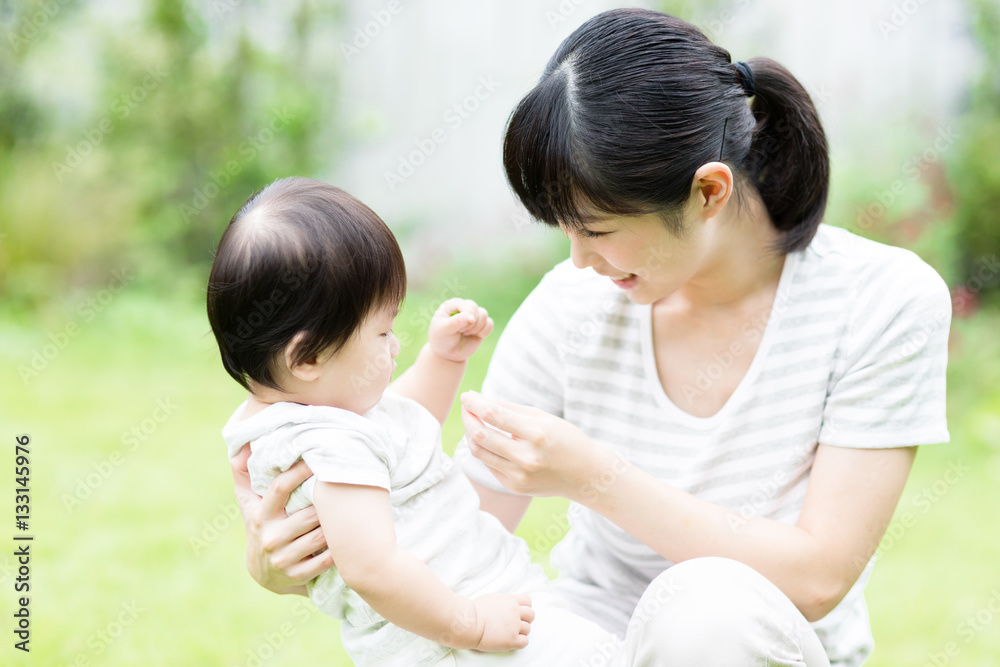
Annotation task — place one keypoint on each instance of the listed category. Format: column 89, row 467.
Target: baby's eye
column 387, row 332
column 592, row 234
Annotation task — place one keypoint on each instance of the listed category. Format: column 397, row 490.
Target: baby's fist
column 505, row 621
column 457, row 329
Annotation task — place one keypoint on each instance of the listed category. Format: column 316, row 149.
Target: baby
column 301, row 298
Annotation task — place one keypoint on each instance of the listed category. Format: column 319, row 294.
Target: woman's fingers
column 502, row 416
column 247, row 500
column 278, row 534
column 311, row 567
column 295, row 539
column 277, row 495
column 492, row 448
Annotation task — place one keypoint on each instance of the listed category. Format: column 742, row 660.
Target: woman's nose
column 581, row 255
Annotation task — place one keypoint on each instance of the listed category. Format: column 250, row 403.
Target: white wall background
column 876, row 69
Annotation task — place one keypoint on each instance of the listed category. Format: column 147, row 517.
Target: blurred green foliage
column 130, row 139
column 975, row 173
column 133, row 507
column 130, row 133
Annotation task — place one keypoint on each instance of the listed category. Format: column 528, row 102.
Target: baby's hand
column 505, row 621
column 457, row 329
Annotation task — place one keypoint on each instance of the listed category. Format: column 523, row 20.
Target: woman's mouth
column 626, row 282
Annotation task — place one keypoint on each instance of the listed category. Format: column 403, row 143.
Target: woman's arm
column 402, row 588
column 456, row 331
column 506, row 507
column 850, row 500
column 280, row 548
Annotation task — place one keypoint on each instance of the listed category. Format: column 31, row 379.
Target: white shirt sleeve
column 526, row 367
column 346, row 457
column 888, row 387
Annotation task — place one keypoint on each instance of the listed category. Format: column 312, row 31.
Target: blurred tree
column 131, row 137
column 975, row 172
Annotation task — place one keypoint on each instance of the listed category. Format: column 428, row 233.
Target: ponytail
column 788, row 160
column 634, row 101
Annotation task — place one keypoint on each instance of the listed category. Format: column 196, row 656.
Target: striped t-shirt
column 853, row 354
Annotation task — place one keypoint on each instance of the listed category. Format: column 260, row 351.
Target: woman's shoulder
column 840, row 258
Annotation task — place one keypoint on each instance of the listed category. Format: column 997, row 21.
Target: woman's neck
column 742, row 264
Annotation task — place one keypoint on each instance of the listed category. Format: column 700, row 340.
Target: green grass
column 138, row 553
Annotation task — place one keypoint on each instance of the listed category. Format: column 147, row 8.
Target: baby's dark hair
column 299, row 255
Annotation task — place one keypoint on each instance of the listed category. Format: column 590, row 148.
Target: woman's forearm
column 850, row 501
column 679, row 526
column 509, row 508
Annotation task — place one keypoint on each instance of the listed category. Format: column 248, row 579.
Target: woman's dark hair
column 635, row 101
column 299, row 255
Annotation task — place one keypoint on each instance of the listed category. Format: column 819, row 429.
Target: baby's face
column 355, row 377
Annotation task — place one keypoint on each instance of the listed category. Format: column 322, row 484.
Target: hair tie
column 746, row 78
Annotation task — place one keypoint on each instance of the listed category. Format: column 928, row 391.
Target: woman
column 730, row 392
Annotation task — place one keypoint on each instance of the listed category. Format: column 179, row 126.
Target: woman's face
column 639, row 254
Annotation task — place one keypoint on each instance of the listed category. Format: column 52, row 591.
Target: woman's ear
column 306, row 370
column 712, row 187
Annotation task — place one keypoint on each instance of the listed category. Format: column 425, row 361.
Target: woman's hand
column 281, row 549
column 544, row 455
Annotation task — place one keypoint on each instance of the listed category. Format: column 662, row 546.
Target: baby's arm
column 357, row 521
column 456, row 330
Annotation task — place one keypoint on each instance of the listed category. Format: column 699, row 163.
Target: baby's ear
column 306, row 370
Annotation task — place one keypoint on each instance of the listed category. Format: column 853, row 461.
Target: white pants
column 705, row 612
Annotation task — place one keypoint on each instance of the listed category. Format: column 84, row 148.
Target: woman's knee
column 714, row 609
column 711, row 594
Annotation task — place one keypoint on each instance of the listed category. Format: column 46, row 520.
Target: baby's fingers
column 482, row 324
